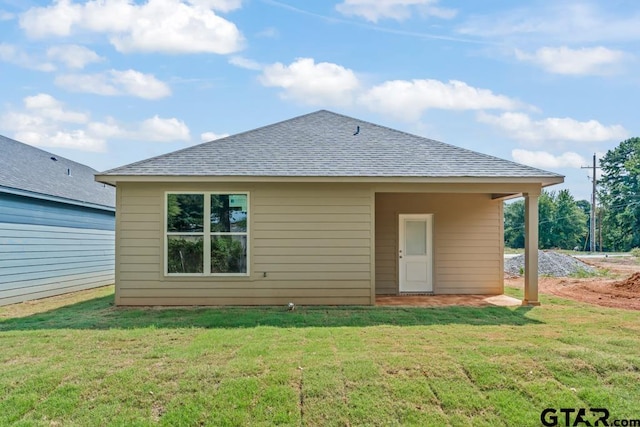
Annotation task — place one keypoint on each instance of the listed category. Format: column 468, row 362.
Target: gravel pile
column 549, row 264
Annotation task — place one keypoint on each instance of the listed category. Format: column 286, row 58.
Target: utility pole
column 592, row 228
column 600, row 229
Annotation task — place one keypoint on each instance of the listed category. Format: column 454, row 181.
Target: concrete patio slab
column 448, row 300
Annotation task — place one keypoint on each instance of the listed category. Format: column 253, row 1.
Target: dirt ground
column 619, row 287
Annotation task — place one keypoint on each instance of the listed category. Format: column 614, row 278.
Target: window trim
column 206, row 234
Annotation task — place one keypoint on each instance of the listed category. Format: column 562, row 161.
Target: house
column 56, row 225
column 318, row 209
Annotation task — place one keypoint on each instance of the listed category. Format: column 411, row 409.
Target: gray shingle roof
column 26, row 168
column 323, row 144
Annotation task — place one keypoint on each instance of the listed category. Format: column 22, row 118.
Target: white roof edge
column 543, row 180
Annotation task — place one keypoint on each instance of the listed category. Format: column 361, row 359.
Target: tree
column 620, row 196
column 562, row 222
column 185, row 212
column 514, row 224
column 571, row 222
column 547, row 220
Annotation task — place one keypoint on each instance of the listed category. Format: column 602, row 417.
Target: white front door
column 415, row 253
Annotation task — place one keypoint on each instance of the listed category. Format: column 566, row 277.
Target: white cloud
column 45, row 122
column 114, row 82
column 221, row 5
column 139, row 84
column 374, row 10
column 170, row 26
column 311, row 83
column 563, row 60
column 210, row 136
column 75, row 139
column 242, row 62
column 154, row 129
column 326, row 83
column 107, row 130
column 409, row 99
column 158, row 129
column 73, row 56
column 545, row 160
column 99, row 84
column 54, row 20
column 521, row 127
column 13, row 55
column 179, row 28
column 49, row 107
column 566, row 21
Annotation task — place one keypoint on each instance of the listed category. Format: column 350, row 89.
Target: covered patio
column 461, row 247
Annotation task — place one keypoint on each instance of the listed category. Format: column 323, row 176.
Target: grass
column 89, row 363
column 582, row 273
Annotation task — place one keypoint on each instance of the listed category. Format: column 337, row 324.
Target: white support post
column 531, row 249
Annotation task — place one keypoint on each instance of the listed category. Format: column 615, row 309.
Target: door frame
column 429, row 242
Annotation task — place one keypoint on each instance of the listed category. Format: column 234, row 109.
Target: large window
column 207, row 233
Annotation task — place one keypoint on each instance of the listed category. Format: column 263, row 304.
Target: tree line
column 564, row 222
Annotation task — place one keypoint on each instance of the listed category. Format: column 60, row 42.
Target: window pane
column 185, row 254
column 185, row 212
column 238, row 212
column 228, row 254
column 229, row 213
column 416, row 236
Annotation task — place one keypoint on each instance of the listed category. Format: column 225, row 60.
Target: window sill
column 206, row 276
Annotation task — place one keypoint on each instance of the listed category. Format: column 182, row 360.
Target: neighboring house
column 318, row 209
column 56, row 225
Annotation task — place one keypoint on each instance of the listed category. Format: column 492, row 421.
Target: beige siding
column 312, row 244
column 467, row 245
column 309, row 244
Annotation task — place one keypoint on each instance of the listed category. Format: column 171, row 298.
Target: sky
column 109, row 82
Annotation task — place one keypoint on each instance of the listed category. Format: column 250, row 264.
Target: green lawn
column 90, row 364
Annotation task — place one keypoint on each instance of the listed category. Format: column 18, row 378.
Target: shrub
column 635, row 252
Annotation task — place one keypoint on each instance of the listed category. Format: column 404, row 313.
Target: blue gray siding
column 49, row 248
column 26, row 210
